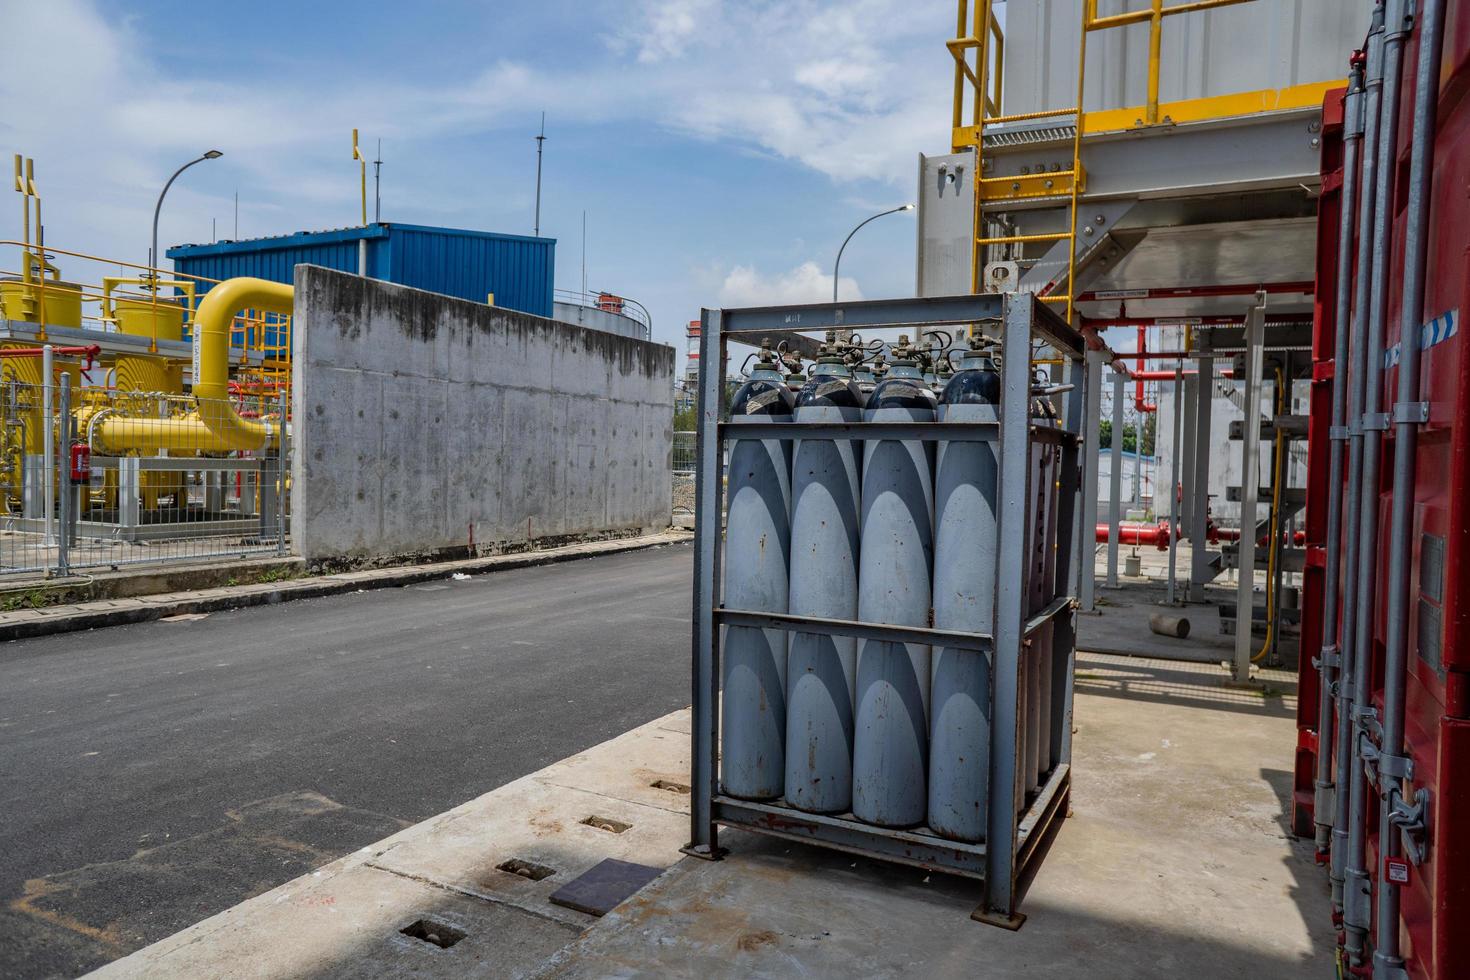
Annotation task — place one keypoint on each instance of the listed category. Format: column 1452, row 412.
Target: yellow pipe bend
column 214, row 426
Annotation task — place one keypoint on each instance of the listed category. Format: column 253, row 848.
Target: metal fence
column 686, row 453
column 95, row 478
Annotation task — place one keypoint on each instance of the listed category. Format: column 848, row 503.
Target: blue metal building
column 517, row 269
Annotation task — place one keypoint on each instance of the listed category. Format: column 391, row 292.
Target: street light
column 153, row 251
column 837, row 266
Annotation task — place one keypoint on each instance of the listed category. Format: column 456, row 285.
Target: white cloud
column 807, row 283
column 667, row 26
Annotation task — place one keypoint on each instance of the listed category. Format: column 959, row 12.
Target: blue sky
column 721, row 148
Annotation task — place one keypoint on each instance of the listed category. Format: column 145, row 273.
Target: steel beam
column 1199, row 556
column 1115, row 479
column 1250, row 476
column 1092, row 438
column 1010, row 599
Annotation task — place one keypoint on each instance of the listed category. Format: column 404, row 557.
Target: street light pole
column 153, row 250
column 837, row 266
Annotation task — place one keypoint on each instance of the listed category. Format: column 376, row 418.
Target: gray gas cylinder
column 824, row 583
column 891, row 747
column 965, row 486
column 757, row 542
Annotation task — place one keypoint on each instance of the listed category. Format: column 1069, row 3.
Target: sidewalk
column 1176, row 860
column 25, row 623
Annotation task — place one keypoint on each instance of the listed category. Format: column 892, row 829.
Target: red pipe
column 1145, row 534
column 1139, row 402
column 1169, row 375
column 90, row 352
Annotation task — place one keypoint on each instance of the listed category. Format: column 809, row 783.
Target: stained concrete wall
column 425, row 424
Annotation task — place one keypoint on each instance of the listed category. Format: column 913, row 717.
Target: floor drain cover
column 434, row 933
column 605, row 886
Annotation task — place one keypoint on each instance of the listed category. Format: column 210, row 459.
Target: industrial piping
column 214, row 426
column 1395, row 809
column 1330, row 657
column 1358, row 356
column 1357, row 891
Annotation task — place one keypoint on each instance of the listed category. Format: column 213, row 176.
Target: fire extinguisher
column 81, row 462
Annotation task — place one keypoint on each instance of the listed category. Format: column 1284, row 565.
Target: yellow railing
column 979, row 84
column 1154, row 17
column 986, row 105
column 256, row 335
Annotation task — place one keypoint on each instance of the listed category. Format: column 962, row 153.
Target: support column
column 1190, row 396
column 129, row 491
column 1199, row 561
column 1250, row 484
column 1091, row 444
column 1115, row 480
column 1174, row 469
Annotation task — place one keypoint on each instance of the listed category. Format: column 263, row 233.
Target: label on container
column 1398, row 870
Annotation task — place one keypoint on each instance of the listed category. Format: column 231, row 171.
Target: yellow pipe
column 213, row 426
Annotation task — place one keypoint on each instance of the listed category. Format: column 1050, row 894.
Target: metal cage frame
column 1025, row 320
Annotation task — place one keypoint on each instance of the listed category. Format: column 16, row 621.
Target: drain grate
column 608, row 824
column 526, row 869
column 670, row 786
column 434, row 933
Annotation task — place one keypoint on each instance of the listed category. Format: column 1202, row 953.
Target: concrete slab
column 1176, row 860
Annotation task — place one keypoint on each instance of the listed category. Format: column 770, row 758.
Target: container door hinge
column 1395, row 766
column 1365, row 716
column 1412, row 820
column 1368, row 755
column 1329, row 657
column 1375, row 422
column 1416, row 413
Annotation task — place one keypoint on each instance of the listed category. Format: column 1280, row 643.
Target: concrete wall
column 425, row 424
column 590, row 316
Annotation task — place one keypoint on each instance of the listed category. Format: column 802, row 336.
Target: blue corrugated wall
column 468, row 264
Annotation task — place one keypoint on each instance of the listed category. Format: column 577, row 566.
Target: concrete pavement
column 1175, row 862
column 155, row 774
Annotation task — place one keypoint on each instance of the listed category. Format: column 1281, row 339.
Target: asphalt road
column 153, row 775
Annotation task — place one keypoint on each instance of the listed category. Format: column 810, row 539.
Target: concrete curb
column 96, row 614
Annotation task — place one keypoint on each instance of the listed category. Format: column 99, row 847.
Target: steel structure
column 1383, row 746
column 1020, row 815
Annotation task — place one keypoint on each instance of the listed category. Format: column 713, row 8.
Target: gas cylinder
column 891, row 747
column 757, row 542
column 824, row 583
column 966, row 484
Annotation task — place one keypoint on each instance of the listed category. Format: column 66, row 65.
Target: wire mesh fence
column 102, row 478
column 686, row 452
